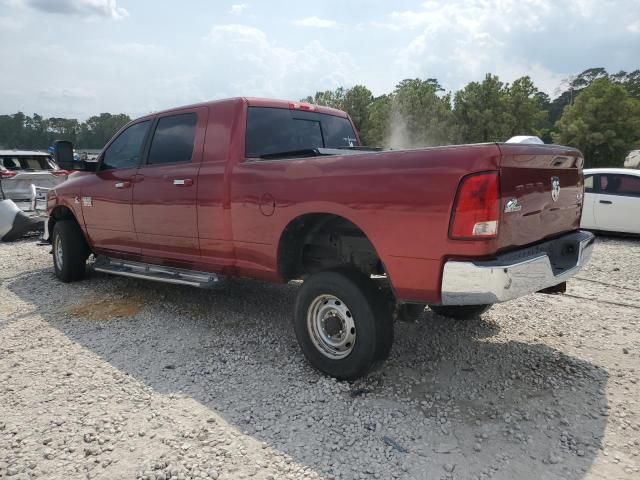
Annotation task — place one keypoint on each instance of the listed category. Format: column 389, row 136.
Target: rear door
column 617, row 203
column 165, row 192
column 106, row 199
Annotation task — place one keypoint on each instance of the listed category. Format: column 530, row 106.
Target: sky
column 77, row 58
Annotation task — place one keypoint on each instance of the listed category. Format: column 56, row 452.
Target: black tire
column 71, row 265
column 366, row 309
column 460, row 312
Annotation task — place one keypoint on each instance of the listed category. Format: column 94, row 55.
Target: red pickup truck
column 281, row 191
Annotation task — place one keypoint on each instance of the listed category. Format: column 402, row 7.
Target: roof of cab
column 257, row 102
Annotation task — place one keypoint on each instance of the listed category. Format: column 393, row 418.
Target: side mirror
column 64, row 157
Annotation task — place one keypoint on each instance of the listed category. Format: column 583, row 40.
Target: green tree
column 356, row 103
column 376, row 129
column 421, row 116
column 481, row 111
column 603, row 122
column 524, row 107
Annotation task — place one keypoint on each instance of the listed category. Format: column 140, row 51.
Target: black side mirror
column 63, row 155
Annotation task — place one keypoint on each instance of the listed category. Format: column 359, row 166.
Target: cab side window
column 125, row 151
column 173, row 139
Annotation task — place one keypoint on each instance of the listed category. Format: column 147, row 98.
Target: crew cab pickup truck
column 282, row 191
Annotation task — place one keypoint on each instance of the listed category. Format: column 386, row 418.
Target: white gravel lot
column 118, row 378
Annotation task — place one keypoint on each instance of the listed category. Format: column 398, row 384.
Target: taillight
column 59, row 173
column 476, row 211
column 7, row 174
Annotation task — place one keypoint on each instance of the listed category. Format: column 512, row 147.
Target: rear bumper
column 517, row 273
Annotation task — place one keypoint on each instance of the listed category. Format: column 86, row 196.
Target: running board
column 158, row 273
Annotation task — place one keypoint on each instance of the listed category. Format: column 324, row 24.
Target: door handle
column 606, row 202
column 183, row 182
column 125, row 184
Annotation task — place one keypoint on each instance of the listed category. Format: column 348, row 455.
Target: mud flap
column 14, row 223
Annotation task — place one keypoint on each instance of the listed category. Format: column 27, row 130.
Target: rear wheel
column 70, row 251
column 342, row 323
column 460, row 312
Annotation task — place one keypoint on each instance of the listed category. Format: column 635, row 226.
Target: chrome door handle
column 183, row 182
column 123, row 184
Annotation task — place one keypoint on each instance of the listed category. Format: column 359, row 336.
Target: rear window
column 277, row 130
column 27, row 162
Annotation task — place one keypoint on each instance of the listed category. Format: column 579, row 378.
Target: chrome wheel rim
column 331, row 327
column 57, row 251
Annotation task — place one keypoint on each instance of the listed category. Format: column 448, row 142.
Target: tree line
column 38, row 133
column 596, row 112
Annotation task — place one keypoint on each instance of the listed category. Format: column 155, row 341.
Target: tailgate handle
column 606, row 202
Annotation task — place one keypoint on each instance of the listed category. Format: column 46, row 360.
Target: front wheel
column 342, row 323
column 460, row 312
column 70, row 251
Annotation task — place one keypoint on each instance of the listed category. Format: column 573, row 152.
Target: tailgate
column 541, row 190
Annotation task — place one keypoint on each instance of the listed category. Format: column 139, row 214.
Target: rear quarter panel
column 401, row 200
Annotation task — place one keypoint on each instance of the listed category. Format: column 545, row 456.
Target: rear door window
column 173, row 139
column 277, row 130
column 620, row 184
column 125, row 151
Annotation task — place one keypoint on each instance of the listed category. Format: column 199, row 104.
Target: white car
column 611, row 200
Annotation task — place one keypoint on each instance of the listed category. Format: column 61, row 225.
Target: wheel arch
column 327, row 233
column 62, row 212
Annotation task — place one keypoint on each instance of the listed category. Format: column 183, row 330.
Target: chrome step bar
column 158, row 273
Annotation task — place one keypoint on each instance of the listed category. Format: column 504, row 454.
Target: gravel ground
column 121, row 378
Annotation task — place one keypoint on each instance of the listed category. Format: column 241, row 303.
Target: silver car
column 19, row 169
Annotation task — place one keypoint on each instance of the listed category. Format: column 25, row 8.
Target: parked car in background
column 19, row 169
column 611, row 200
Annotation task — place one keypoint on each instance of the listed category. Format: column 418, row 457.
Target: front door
column 106, row 199
column 165, row 192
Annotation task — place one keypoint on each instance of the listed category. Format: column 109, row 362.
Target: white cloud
column 634, row 27
column 9, row 24
column 315, row 22
column 255, row 65
column 460, row 41
column 238, row 8
column 136, row 49
column 66, row 93
column 82, row 8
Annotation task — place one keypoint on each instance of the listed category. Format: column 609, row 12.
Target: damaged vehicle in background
column 20, row 169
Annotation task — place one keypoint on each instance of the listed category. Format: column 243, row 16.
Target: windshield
column 276, row 130
column 27, row 162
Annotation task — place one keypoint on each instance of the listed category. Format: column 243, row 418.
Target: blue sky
column 81, row 57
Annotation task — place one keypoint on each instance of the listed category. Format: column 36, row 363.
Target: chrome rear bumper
column 517, row 273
